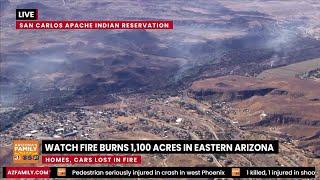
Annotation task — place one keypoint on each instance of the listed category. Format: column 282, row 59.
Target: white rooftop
column 59, row 129
column 179, row 120
column 28, row 135
column 33, row 131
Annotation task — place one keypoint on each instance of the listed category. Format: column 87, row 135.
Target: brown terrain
column 286, row 106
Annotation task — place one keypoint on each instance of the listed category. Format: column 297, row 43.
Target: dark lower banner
column 158, row 146
column 159, row 172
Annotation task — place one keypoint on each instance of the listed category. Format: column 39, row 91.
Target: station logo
column 26, row 151
column 61, row 172
column 26, row 14
column 235, row 171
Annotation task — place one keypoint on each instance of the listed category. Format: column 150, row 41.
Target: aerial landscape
column 246, row 69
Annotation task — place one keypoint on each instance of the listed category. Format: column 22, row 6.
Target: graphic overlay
column 26, row 151
column 26, row 172
column 160, row 146
column 235, row 172
column 61, row 172
column 32, row 14
column 102, row 25
column 90, row 159
column 159, row 172
column 26, row 14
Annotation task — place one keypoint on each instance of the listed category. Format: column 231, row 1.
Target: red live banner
column 103, row 25
column 27, row 172
column 85, row 159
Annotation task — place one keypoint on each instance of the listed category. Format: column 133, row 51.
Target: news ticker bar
column 159, row 172
column 159, row 146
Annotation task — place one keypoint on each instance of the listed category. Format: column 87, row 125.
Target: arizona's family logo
column 25, row 151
